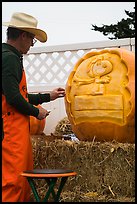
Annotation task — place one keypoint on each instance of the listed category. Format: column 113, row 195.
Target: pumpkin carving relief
column 100, row 96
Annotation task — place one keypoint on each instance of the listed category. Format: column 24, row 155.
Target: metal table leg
column 51, row 182
column 62, row 183
column 32, row 184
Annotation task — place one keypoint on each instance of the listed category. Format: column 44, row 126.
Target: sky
column 69, row 22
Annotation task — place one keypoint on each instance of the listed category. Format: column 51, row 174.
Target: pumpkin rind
column 36, row 126
column 100, row 96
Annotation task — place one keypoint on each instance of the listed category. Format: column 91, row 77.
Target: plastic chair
column 51, row 176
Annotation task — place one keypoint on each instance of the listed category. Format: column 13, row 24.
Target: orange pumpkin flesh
column 37, row 126
column 100, row 96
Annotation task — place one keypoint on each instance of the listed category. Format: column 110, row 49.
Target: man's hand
column 57, row 93
column 43, row 113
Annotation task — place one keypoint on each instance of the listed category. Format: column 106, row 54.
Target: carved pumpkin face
column 100, row 96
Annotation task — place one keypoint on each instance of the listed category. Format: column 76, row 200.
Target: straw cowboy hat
column 27, row 23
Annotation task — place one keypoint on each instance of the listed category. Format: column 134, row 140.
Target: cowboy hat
column 27, row 23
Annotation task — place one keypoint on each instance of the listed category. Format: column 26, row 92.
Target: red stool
column 51, row 176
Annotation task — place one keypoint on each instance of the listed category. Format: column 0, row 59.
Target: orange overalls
column 17, row 154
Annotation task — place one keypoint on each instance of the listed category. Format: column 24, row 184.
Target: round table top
column 48, row 173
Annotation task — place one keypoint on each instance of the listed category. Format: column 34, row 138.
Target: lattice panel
column 53, row 68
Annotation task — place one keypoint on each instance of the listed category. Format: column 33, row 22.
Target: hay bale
column 105, row 168
column 63, row 127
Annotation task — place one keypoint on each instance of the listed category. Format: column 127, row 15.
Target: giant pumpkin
column 37, row 126
column 100, row 96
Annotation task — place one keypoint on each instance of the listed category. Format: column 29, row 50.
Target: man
column 18, row 105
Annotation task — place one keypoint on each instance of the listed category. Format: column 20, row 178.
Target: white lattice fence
column 49, row 67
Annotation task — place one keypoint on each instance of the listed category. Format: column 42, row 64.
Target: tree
column 123, row 29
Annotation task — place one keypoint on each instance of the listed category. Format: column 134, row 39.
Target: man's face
column 27, row 40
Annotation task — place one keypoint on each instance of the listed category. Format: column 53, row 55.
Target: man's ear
column 23, row 35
